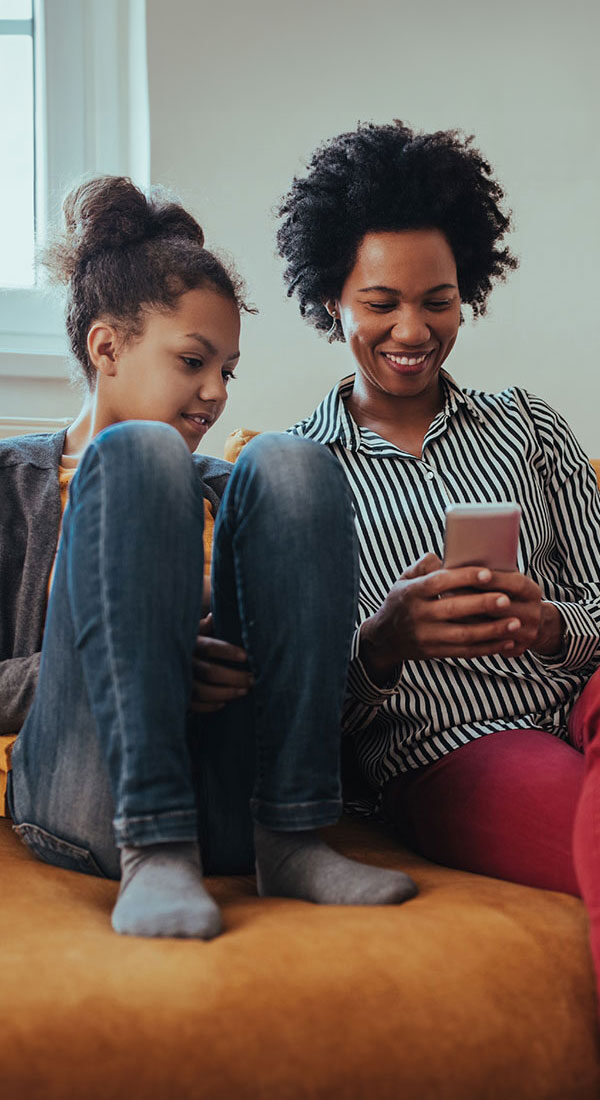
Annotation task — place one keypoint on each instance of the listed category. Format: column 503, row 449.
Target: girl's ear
column 103, row 347
column 331, row 305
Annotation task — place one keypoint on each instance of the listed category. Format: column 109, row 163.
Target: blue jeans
column 110, row 754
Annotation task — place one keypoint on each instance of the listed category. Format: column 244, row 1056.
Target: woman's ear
column 103, row 346
column 331, row 305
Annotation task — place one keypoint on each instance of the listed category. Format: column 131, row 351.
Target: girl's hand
column 437, row 612
column 215, row 684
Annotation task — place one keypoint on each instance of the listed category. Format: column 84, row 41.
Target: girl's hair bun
column 120, row 251
column 109, row 213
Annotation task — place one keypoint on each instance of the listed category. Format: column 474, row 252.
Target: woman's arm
column 574, row 506
column 425, row 615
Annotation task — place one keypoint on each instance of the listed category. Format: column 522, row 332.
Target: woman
column 111, row 774
column 470, row 715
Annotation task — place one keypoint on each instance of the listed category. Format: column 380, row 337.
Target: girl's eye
column 438, row 304
column 381, row 307
column 228, row 375
column 190, row 361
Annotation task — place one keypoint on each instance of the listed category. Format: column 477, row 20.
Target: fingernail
column 502, row 601
column 514, row 624
column 484, row 575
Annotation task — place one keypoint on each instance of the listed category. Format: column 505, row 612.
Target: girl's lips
column 200, row 423
column 407, row 364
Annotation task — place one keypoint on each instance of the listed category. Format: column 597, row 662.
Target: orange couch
column 475, row 990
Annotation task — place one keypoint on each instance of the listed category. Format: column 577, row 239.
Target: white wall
column 241, row 93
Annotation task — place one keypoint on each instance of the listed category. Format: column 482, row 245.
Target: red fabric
column 519, row 805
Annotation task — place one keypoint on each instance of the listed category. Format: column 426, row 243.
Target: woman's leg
column 584, row 726
column 503, row 805
column 285, row 578
column 102, row 763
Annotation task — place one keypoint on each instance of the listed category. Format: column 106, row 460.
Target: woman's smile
column 407, row 363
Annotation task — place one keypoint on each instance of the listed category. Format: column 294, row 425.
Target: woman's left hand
column 541, row 626
column 214, row 683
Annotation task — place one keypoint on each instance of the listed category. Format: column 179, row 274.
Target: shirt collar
column 331, row 421
column 455, row 397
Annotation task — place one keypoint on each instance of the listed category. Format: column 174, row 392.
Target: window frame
column 90, row 70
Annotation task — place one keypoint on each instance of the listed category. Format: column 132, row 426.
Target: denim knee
column 149, row 451
column 290, row 468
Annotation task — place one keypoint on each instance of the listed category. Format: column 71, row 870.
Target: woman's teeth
column 406, row 360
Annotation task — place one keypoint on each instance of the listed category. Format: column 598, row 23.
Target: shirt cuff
column 581, row 638
column 360, row 684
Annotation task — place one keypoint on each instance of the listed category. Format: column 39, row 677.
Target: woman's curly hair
column 122, row 252
column 390, row 178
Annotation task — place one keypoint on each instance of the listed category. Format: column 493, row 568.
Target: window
column 17, row 140
column 73, row 101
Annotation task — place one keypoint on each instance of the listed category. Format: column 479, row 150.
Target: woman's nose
column 410, row 328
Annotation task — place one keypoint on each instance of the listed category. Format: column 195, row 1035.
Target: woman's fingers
column 463, row 635
column 457, row 605
column 428, row 563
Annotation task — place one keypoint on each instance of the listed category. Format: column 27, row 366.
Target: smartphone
column 482, row 534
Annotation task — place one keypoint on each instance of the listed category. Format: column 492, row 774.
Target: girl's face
column 400, row 310
column 177, row 371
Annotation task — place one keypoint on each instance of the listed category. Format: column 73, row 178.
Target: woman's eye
column 438, row 304
column 381, row 307
column 228, row 375
column 192, row 362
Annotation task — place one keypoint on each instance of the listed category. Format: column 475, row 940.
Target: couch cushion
column 475, row 989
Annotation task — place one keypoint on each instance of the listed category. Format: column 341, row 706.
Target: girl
column 470, row 716
column 112, row 773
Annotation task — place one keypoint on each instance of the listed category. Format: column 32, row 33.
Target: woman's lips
column 407, row 364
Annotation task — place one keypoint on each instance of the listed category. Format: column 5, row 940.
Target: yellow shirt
column 64, row 480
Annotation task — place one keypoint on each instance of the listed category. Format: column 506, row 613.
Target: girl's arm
column 18, row 681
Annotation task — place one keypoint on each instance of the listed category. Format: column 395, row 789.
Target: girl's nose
column 211, row 387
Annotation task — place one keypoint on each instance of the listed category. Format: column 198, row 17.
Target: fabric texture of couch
column 474, row 990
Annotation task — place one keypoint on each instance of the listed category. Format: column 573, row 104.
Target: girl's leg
column 101, row 763
column 285, row 581
column 503, row 805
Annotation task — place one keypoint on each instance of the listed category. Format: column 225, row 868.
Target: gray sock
column 301, row 865
column 162, row 893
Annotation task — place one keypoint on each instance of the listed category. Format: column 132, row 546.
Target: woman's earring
column 331, row 331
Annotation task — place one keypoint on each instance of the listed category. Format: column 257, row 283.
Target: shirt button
column 430, row 475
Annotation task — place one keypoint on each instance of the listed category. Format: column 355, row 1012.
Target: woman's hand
column 541, row 624
column 215, row 684
column 437, row 612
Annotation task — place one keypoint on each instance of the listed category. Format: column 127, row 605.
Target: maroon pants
column 518, row 805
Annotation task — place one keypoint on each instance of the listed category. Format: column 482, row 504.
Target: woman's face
column 400, row 310
column 177, row 371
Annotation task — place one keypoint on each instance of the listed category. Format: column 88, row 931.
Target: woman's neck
column 403, row 421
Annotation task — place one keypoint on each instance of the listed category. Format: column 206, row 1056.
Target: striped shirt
column 509, row 446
